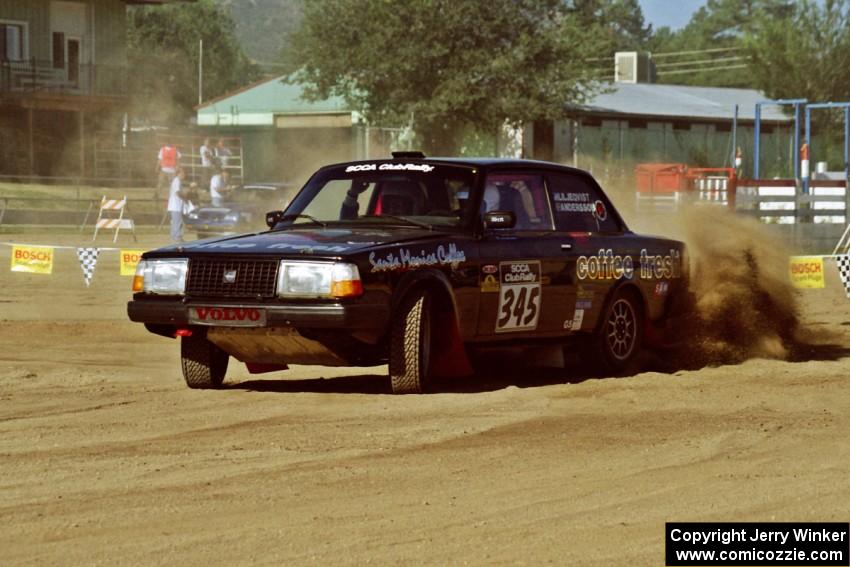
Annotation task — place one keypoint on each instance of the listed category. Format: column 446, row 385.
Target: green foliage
column 445, row 66
column 619, row 23
column 718, row 24
column 806, row 55
column 262, row 26
column 163, row 52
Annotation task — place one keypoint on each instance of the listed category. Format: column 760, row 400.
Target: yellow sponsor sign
column 129, row 260
column 806, row 271
column 32, row 259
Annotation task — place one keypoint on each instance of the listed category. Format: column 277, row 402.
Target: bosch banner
column 806, row 271
column 129, row 260
column 32, row 259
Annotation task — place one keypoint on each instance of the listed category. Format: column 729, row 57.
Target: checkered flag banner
column 843, row 262
column 88, row 260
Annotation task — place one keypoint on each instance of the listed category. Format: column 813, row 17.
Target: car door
column 521, row 276
column 593, row 246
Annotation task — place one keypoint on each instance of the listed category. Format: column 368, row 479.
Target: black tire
column 410, row 345
column 618, row 342
column 204, row 364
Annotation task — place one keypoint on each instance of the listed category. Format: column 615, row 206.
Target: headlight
column 231, row 217
column 318, row 279
column 166, row 277
column 193, row 216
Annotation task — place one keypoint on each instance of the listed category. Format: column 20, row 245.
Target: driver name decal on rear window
column 572, row 202
column 423, row 167
column 404, row 259
column 519, row 296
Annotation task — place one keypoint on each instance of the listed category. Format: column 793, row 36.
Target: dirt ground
column 106, row 457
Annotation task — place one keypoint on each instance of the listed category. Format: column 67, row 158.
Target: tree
column 805, row 55
column 262, row 26
column 444, row 66
column 163, row 53
column 620, row 22
column 720, row 24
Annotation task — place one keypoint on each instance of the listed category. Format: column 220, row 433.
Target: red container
column 661, row 177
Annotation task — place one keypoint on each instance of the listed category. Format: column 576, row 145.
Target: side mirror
column 499, row 219
column 273, row 217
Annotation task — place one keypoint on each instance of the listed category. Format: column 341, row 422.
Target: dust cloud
column 743, row 305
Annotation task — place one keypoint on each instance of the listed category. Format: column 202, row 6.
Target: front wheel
column 410, row 345
column 619, row 340
column 204, row 364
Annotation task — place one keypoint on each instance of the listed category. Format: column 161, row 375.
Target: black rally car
column 421, row 263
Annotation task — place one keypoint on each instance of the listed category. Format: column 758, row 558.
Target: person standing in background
column 207, row 156
column 223, row 153
column 176, row 198
column 219, row 187
column 168, row 160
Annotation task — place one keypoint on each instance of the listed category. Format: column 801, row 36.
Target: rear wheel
column 204, row 364
column 619, row 340
column 410, row 345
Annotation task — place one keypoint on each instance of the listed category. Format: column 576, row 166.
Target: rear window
column 578, row 205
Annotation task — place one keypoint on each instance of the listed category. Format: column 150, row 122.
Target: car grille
column 254, row 278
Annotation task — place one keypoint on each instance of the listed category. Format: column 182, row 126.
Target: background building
column 63, row 71
column 634, row 120
column 284, row 137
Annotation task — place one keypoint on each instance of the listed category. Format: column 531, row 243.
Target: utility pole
column 201, row 72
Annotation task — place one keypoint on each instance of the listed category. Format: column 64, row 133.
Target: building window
column 12, row 41
column 681, row 126
column 594, row 122
column 637, row 123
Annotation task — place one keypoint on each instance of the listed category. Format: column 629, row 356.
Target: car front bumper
column 346, row 317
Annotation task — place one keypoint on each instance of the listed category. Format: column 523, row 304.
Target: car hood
column 307, row 241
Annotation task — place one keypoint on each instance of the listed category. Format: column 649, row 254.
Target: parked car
column 426, row 264
column 244, row 210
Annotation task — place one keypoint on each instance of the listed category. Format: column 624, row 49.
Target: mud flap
column 448, row 355
column 677, row 326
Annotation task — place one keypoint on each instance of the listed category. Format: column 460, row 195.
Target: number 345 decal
column 519, row 296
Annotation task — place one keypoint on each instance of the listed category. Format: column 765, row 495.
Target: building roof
column 154, row 2
column 679, row 101
column 258, row 104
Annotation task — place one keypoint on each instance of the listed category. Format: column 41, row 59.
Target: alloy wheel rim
column 621, row 329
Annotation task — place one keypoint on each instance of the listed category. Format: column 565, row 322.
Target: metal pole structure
column 82, row 144
column 201, row 72
column 807, row 170
column 846, row 107
column 846, row 144
column 734, row 138
column 757, row 145
column 797, row 140
column 757, row 142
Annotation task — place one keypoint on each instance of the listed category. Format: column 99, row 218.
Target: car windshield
column 418, row 194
